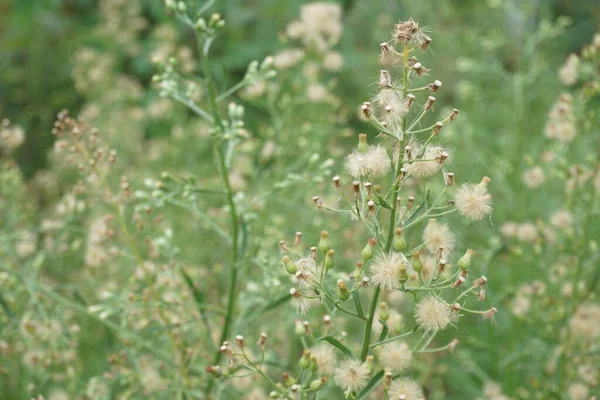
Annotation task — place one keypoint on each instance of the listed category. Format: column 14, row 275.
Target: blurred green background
column 38, row 40
column 498, row 60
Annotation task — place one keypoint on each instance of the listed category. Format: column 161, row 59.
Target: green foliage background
column 481, row 55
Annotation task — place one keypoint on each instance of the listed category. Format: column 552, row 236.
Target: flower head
column 374, row 162
column 325, row 358
column 408, row 388
column 396, row 356
column 533, row 177
column 438, row 235
column 351, row 375
column 424, row 169
column 386, row 270
column 561, row 219
column 474, row 201
column 432, row 314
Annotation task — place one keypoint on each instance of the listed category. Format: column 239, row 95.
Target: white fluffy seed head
column 374, row 162
column 351, row 375
column 386, row 270
column 432, row 314
column 474, row 201
column 325, row 358
column 437, row 235
column 425, row 169
column 408, row 388
column 395, row 356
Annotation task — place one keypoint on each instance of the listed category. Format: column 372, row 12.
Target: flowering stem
column 388, row 245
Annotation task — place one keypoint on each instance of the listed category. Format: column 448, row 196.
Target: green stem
column 390, row 238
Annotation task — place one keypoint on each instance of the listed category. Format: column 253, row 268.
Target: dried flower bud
column 313, row 253
column 429, row 103
column 385, row 49
column 371, row 205
column 481, row 281
column 214, row 370
column 282, row 247
column 410, row 202
column 437, row 128
column 327, row 320
column 425, row 42
column 410, row 98
column 459, row 282
column 365, row 108
column 387, row 379
column 318, row 202
column 419, row 69
column 435, row 86
column 481, row 294
column 239, row 340
column 489, row 313
column 364, row 282
column 369, row 187
column 442, row 263
column 262, row 339
column 454, row 114
column 385, row 81
column 408, row 152
column 405, row 31
column 356, row 186
column 450, row 179
column 336, row 182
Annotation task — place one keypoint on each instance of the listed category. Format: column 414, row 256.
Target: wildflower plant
column 410, row 249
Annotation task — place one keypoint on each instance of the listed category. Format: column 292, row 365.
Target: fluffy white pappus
column 386, row 270
column 431, row 165
column 474, row 201
column 432, row 314
column 325, row 358
column 396, row 356
column 436, row 235
column 351, row 375
column 406, row 389
column 374, row 162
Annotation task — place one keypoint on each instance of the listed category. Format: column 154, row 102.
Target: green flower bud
column 384, row 312
column 314, row 364
column 290, row 267
column 305, row 360
column 363, row 146
column 200, row 25
column 316, row 385
column 324, row 246
column 329, row 260
column 367, row 252
column 299, row 328
column 417, row 264
column 399, row 243
column 342, row 293
column 182, row 6
column 465, row 261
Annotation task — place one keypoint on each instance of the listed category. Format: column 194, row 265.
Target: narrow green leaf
column 414, row 215
column 198, row 295
column 336, row 343
column 371, row 385
column 383, row 203
column 384, row 331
